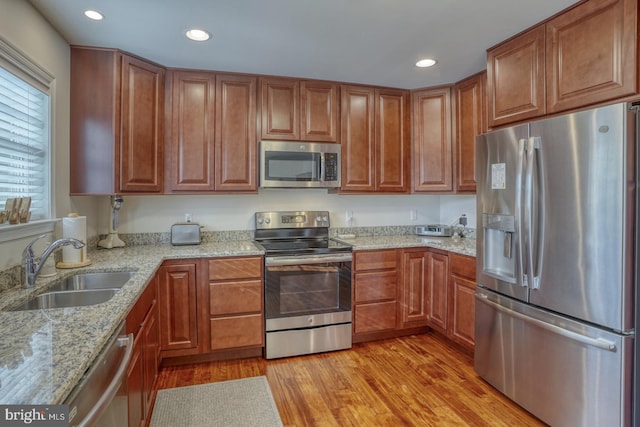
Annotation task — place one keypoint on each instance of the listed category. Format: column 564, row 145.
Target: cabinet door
column 591, row 54
column 178, row 311
column 432, row 156
column 236, row 138
column 462, row 311
column 470, row 122
column 279, row 108
column 438, row 271
column 135, row 385
column 391, row 138
column 94, row 133
column 515, row 78
column 414, row 298
column 191, row 142
column 357, row 138
column 319, row 111
column 141, row 142
column 150, row 355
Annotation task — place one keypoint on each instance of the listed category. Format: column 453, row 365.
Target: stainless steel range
column 307, row 284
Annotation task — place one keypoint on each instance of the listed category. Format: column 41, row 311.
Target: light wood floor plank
column 421, row 380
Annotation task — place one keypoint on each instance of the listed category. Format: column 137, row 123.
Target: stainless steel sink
column 79, row 290
column 89, row 281
column 63, row 299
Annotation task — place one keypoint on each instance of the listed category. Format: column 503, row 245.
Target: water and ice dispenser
column 499, row 255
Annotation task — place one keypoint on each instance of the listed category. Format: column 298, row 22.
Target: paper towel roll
column 76, row 227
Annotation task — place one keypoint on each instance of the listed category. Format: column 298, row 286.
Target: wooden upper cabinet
column 374, row 138
column 591, row 54
column 432, row 150
column 357, row 138
column 516, row 79
column 213, row 140
column 116, row 125
column 280, row 111
column 141, row 139
column 293, row 109
column 392, row 137
column 191, row 136
column 319, row 111
column 471, row 114
column 236, row 137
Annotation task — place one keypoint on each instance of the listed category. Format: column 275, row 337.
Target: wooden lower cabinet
column 236, row 301
column 462, row 285
column 142, row 373
column 178, row 307
column 375, row 292
column 424, row 288
column 438, row 273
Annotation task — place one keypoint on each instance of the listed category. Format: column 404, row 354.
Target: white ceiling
column 375, row 42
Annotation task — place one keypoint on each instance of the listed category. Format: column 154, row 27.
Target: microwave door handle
column 321, row 168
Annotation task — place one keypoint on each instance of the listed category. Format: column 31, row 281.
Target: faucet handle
column 29, row 248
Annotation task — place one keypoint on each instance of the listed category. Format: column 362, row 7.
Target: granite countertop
column 44, row 353
column 463, row 246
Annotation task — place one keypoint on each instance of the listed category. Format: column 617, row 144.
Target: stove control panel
column 292, row 219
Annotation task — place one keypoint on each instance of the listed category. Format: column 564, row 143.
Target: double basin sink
column 81, row 289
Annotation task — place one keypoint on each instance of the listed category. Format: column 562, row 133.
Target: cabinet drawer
column 380, row 316
column 375, row 286
column 235, row 297
column 464, row 266
column 235, row 268
column 374, row 260
column 237, row 331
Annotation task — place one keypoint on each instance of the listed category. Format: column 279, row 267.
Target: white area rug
column 247, row 402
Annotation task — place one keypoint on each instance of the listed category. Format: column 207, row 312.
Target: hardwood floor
column 420, row 380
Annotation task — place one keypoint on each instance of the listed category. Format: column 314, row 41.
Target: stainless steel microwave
column 285, row 164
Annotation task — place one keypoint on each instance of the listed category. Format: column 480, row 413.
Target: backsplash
column 13, row 275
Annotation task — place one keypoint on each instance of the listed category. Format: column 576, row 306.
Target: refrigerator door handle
column 521, row 273
column 595, row 342
column 532, row 145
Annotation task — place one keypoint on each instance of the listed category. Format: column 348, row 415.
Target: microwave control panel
column 331, row 166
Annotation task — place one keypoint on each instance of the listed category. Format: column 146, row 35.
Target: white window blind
column 24, row 143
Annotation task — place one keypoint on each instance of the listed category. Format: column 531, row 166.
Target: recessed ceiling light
column 427, row 62
column 198, row 35
column 93, row 14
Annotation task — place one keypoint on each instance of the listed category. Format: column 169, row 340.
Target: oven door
column 307, row 291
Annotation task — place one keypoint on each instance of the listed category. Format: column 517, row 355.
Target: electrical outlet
column 463, row 219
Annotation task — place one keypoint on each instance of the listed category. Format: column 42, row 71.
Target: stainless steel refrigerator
column 556, row 266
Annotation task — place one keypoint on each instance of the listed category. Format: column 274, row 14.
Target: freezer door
column 582, row 222
column 500, row 166
column 564, row 372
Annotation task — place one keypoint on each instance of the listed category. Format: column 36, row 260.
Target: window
column 24, row 143
column 25, row 146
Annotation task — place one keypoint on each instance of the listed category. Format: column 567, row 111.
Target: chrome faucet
column 32, row 266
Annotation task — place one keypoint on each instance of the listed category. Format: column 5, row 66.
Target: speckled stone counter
column 44, row 353
column 463, row 246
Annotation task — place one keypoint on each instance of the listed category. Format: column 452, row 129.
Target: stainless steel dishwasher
column 100, row 399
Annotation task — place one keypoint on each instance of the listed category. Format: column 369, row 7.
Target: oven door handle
column 306, row 259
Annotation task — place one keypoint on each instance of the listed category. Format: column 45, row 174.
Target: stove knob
column 260, row 221
column 267, row 220
column 325, row 218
